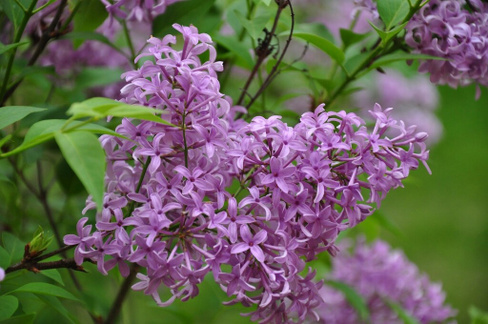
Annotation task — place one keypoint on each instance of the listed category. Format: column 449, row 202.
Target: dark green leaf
column 4, row 258
column 392, row 12
column 13, row 246
column 349, row 37
column 11, row 114
column 313, row 28
column 184, row 13
column 58, row 306
column 401, row 312
column 236, row 48
column 6, row 48
column 42, row 288
column 20, row 319
column 67, row 179
column 354, row 298
column 323, row 44
column 13, row 11
column 8, row 306
column 104, row 107
column 90, row 16
column 54, row 275
column 84, row 154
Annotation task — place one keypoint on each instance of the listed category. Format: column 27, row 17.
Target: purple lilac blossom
column 212, row 193
column 381, row 275
column 137, row 10
column 2, row 274
column 415, row 100
column 456, row 31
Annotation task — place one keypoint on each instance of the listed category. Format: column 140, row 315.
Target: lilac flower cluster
column 138, row 10
column 456, row 31
column 382, row 276
column 248, row 202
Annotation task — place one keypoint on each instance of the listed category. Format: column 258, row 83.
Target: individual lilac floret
column 211, row 194
column 382, row 276
column 139, row 10
column 2, row 274
column 456, row 31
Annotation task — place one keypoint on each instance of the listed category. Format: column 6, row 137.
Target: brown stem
column 121, row 295
column 274, row 71
column 35, row 266
column 47, row 35
column 263, row 52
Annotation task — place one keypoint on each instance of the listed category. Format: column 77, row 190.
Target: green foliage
column 323, row 44
column 353, row 297
column 84, row 154
column 401, row 312
column 6, row 48
column 392, row 12
column 13, row 246
column 11, row 114
column 8, row 306
column 40, row 241
column 478, row 316
column 42, row 288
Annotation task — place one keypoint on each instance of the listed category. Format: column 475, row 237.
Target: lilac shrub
column 248, row 202
column 382, row 276
column 456, row 31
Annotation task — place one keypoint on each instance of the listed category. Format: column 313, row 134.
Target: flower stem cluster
column 249, row 202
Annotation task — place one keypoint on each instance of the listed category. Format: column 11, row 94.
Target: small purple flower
column 250, row 243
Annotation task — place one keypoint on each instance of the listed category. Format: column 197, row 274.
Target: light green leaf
column 84, row 154
column 255, row 26
column 42, row 288
column 103, row 107
column 401, row 312
column 13, row 246
column 11, row 114
column 392, row 12
column 395, row 57
column 54, row 275
column 386, row 36
column 8, row 306
column 236, row 48
column 91, row 14
column 6, row 48
column 323, row 44
column 353, row 297
column 44, row 130
column 266, row 2
column 4, row 258
column 477, row 315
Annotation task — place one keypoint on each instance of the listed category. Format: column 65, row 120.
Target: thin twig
column 121, row 295
column 39, row 266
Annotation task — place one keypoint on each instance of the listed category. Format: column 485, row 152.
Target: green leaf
column 477, row 316
column 13, row 246
column 44, row 130
column 4, row 258
column 183, row 13
column 401, row 312
column 91, row 14
column 54, row 275
column 386, row 223
column 254, row 26
column 386, row 36
column 11, row 114
column 13, row 12
column 236, row 48
column 42, row 288
column 323, row 44
column 8, row 306
column 103, row 107
column 84, row 154
column 266, row 2
column 353, row 297
column 99, row 76
column 58, row 306
column 20, row 319
column 395, row 57
column 6, row 48
column 349, row 37
column 392, row 12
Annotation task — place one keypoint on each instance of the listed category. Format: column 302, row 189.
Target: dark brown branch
column 122, row 294
column 263, row 50
column 274, row 71
column 36, row 267
column 47, row 35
